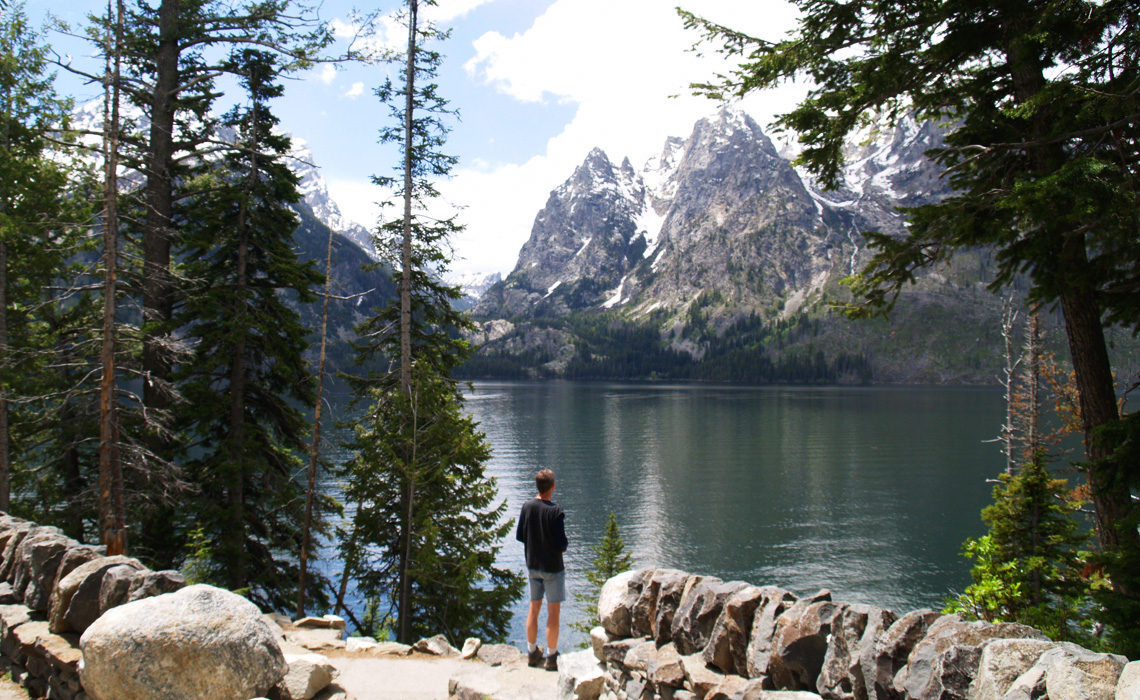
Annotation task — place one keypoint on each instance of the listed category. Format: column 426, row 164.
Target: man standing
column 542, row 531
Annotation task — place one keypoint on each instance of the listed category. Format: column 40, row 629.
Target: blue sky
column 538, row 84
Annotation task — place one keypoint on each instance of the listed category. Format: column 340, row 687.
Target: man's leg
column 552, row 613
column 532, row 621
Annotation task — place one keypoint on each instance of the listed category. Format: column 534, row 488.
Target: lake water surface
column 866, row 491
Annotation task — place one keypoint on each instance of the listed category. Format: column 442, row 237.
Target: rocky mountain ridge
column 718, row 230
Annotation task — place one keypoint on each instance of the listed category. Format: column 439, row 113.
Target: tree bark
column 158, row 288
column 314, row 453
column 404, row 632
column 112, row 513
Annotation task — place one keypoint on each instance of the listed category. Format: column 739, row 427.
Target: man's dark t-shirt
column 542, row 530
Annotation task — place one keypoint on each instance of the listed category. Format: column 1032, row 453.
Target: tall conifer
column 427, row 530
column 247, row 384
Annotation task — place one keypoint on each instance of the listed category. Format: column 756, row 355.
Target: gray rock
column 853, row 636
column 307, row 675
column 666, row 669
column 1070, row 672
column 727, row 648
column 1003, row 661
column 14, row 536
column 115, row 588
column 599, row 637
column 1128, row 686
column 671, row 590
column 730, row 688
column 580, row 676
column 7, row 595
column 616, row 601
column 776, row 601
column 892, row 649
column 615, row 652
column 199, row 643
column 761, row 694
column 639, row 657
column 945, row 662
column 470, row 647
column 73, row 558
column 148, row 584
column 37, row 559
column 800, row 642
column 699, row 676
column 436, row 646
column 498, row 654
column 645, row 609
column 358, row 645
column 78, row 597
column 700, row 607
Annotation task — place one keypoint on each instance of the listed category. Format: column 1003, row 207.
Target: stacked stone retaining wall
column 52, row 589
column 677, row 636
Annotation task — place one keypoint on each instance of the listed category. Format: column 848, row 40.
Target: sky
column 537, row 84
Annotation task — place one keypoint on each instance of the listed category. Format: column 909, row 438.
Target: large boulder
column 666, row 669
column 945, row 662
column 199, row 643
column 14, row 535
column 800, row 642
column 853, row 637
column 776, row 601
column 147, row 584
column 727, row 648
column 1128, row 687
column 78, row 599
column 307, row 675
column 700, row 607
column 580, row 676
column 1070, row 672
column 654, row 609
column 891, row 651
column 1003, row 662
column 37, row 558
column 615, row 603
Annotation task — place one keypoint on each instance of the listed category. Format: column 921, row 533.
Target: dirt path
column 427, row 678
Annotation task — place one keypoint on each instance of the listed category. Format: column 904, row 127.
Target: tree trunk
column 404, row 632
column 112, row 513
column 157, row 284
column 310, row 495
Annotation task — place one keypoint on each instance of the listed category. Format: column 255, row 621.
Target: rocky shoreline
column 672, row 635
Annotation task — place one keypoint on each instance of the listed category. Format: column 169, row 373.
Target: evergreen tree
column 610, row 559
column 1027, row 568
column 42, row 208
column 426, row 531
column 1042, row 157
column 247, row 384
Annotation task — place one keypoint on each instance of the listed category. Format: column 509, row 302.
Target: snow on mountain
column 314, row 191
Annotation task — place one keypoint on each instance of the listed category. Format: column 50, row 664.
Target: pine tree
column 426, row 531
column 247, row 384
column 42, row 209
column 610, row 559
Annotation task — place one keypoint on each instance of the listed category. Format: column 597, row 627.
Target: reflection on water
column 866, row 491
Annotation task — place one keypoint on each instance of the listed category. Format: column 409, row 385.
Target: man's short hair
column 544, row 480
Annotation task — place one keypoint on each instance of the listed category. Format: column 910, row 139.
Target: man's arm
column 560, row 532
column 520, row 530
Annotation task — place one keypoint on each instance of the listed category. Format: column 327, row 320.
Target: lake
column 866, row 491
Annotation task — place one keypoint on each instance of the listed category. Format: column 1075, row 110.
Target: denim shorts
column 554, row 585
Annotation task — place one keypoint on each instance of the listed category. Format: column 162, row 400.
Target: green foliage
column 610, row 559
column 199, row 565
column 426, row 532
column 246, row 382
column 1028, row 568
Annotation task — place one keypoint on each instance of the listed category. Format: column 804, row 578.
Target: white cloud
column 448, row 10
column 627, row 67
column 355, row 91
column 327, row 74
column 357, row 199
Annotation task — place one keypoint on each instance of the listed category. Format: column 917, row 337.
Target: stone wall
column 52, row 589
column 677, row 636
